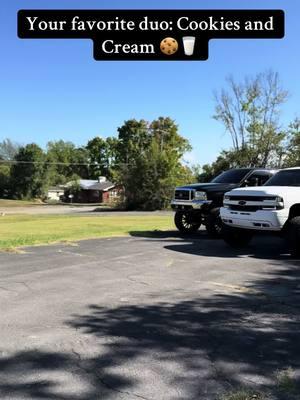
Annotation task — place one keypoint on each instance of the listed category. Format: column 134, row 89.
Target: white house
column 55, row 193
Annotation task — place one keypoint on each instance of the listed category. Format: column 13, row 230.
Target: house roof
column 87, row 183
column 90, row 184
column 102, row 186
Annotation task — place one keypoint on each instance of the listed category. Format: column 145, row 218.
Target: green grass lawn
column 18, row 203
column 25, row 230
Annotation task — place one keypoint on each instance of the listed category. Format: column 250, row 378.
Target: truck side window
column 257, row 180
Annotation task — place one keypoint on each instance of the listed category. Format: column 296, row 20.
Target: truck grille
column 184, row 194
column 252, row 203
column 250, row 208
column 252, row 198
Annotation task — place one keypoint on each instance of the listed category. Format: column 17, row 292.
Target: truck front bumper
column 186, row 205
column 259, row 220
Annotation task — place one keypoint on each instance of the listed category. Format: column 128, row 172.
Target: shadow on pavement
column 213, row 343
column 159, row 235
column 199, row 347
column 261, row 247
column 39, row 375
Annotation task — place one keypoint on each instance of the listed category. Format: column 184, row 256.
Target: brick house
column 96, row 191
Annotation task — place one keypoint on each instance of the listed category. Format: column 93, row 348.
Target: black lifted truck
column 200, row 203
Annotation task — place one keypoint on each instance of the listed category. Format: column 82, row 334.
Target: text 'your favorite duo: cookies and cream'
column 168, row 45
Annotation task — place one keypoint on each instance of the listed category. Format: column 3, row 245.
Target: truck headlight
column 200, row 195
column 279, row 202
column 225, row 199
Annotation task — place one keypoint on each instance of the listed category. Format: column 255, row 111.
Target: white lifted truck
column 274, row 207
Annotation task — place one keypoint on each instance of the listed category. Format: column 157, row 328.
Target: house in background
column 56, row 193
column 95, row 191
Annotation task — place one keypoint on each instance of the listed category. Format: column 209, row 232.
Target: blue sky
column 52, row 90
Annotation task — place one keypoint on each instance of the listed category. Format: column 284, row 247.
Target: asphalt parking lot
column 159, row 317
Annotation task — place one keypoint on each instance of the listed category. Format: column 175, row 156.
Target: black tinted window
column 257, row 180
column 285, row 178
column 232, row 176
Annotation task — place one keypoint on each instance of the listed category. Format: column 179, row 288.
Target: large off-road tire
column 235, row 237
column 214, row 224
column 185, row 222
column 293, row 236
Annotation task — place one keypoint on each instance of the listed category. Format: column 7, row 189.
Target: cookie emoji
column 169, row 46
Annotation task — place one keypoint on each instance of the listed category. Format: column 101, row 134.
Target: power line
column 56, row 163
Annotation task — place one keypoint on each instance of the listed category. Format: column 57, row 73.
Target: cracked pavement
column 161, row 317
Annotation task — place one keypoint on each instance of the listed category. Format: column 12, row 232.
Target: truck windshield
column 232, row 176
column 289, row 177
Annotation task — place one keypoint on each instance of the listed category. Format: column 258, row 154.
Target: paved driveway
column 147, row 318
column 45, row 209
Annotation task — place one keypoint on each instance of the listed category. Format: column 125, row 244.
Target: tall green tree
column 165, row 132
column 99, row 157
column 29, row 175
column 66, row 161
column 153, row 171
column 292, row 156
column 8, row 150
column 4, row 180
column 133, row 139
column 250, row 113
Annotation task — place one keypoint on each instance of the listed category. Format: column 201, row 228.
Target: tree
column 155, row 166
column 226, row 160
column 8, row 149
column 133, row 139
column 292, row 157
column 81, row 158
column 73, row 189
column 99, row 154
column 250, row 113
column 29, row 175
column 165, row 132
column 210, row 171
column 68, row 160
column 4, row 180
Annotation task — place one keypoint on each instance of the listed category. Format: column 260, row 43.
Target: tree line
column 146, row 158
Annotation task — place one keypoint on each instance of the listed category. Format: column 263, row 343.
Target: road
column 162, row 318
column 71, row 209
